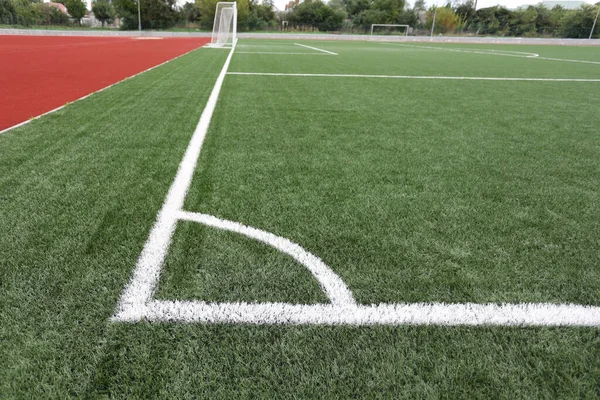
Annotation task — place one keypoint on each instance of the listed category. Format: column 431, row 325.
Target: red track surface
column 41, row 73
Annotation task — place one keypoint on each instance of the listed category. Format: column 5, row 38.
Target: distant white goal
column 387, row 29
column 224, row 34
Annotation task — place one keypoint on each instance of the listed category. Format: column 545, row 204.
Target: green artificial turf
column 410, row 190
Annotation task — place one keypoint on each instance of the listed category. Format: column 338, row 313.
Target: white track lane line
column 461, row 78
column 88, row 95
column 317, row 49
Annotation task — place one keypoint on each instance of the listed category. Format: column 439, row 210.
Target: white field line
column 333, row 286
column 461, row 78
column 506, row 53
column 282, row 53
column 524, row 314
column 137, row 304
column 88, row 95
column 138, row 293
column 566, row 60
column 317, row 49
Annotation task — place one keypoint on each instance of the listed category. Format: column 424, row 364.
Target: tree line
column 454, row 18
column 155, row 14
column 348, row 16
column 529, row 21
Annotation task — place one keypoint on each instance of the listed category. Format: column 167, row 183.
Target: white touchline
column 139, row 291
column 88, row 95
column 460, row 78
column 317, row 49
column 137, row 301
column 524, row 314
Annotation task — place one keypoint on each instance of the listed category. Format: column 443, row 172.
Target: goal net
column 389, row 29
column 224, row 32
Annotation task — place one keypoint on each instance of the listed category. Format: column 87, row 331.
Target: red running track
column 41, row 73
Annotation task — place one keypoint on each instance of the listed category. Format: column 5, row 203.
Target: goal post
column 224, row 34
column 390, row 26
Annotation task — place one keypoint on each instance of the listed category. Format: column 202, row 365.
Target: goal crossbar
column 391, row 26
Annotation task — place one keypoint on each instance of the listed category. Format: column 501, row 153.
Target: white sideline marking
column 281, row 52
column 461, row 78
column 138, row 293
column 317, row 49
column 137, row 304
column 88, row 95
column 525, row 314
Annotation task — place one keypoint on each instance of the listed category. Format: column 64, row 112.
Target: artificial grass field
column 410, row 190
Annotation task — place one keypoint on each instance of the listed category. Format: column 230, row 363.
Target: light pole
column 433, row 25
column 596, row 20
column 139, row 18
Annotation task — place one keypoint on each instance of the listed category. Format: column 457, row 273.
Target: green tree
column 261, row 16
column 190, row 12
column 466, row 12
column 27, row 11
column 156, row 14
column 76, row 8
column 316, row 14
column 355, row 7
column 446, row 19
column 578, row 24
column 127, row 10
column 104, row 11
column 207, row 13
column 8, row 12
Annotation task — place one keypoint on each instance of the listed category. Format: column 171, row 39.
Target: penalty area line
column 317, row 49
column 458, row 78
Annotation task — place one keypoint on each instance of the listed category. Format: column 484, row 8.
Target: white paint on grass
column 525, row 314
column 505, row 53
column 317, row 49
column 282, row 53
column 138, row 293
column 333, row 286
column 461, row 78
column 137, row 301
column 88, row 95
column 566, row 60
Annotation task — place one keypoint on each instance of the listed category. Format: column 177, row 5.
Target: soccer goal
column 224, row 34
column 389, row 29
